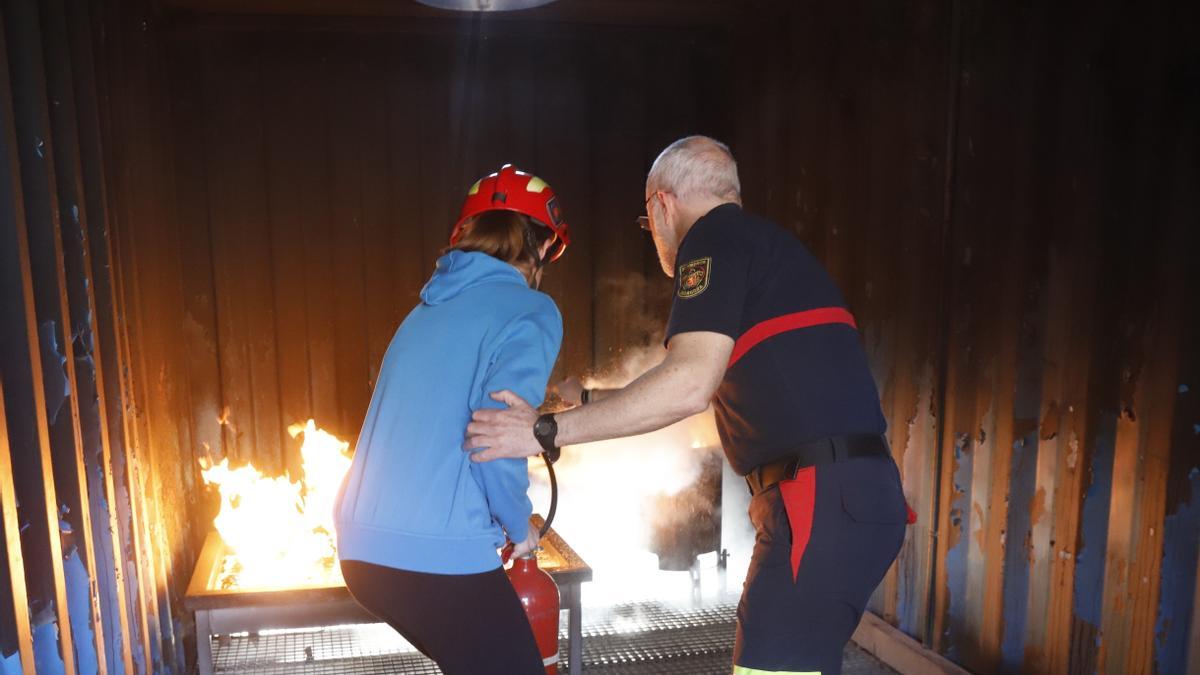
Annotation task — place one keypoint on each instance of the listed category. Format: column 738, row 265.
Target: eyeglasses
column 644, row 221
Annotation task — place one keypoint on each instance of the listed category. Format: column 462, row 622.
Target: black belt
column 814, row 453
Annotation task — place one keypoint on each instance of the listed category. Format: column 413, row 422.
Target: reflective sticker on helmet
column 554, row 212
column 475, row 188
column 536, row 184
column 694, row 276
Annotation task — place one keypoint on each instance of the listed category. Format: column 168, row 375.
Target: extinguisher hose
column 546, row 457
column 549, row 458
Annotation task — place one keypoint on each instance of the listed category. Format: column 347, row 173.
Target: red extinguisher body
column 539, row 597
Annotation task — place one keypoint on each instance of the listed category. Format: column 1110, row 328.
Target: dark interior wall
column 86, row 562
column 1008, row 197
column 282, row 189
column 317, row 174
column 212, row 219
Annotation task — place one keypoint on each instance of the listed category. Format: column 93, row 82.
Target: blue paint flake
column 1090, row 558
column 45, row 649
column 11, row 664
column 956, row 557
column 79, row 607
column 1181, row 546
column 1183, row 389
column 56, row 384
column 1022, row 483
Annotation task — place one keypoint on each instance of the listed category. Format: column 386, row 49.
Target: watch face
column 545, row 429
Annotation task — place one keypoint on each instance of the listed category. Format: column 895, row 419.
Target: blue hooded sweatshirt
column 413, row 500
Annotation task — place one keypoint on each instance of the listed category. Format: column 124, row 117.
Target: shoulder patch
column 693, row 277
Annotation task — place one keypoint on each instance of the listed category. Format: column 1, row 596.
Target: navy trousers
column 824, row 541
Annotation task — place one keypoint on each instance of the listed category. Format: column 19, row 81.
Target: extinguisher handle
column 506, row 553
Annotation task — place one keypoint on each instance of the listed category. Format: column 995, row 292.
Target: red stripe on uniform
column 799, row 500
column 785, row 323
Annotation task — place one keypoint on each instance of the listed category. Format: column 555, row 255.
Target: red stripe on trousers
column 799, row 499
column 785, row 323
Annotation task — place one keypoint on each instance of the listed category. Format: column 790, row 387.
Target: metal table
column 224, row 611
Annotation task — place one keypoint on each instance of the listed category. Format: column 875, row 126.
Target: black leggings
column 470, row 624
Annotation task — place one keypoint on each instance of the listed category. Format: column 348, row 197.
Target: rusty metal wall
column 282, row 187
column 1008, row 195
column 318, row 171
column 85, row 576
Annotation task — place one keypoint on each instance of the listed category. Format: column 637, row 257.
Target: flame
column 279, row 533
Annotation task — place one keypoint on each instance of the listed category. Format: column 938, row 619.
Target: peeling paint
column 79, row 606
column 1037, row 506
column 55, row 382
column 1181, row 546
column 1050, row 422
column 956, row 553
column 46, row 657
column 1022, row 478
column 11, row 664
column 1093, row 529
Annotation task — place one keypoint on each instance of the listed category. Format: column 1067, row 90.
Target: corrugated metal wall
column 318, row 172
column 1008, row 195
column 86, row 584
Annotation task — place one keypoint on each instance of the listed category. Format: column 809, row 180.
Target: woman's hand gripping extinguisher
column 535, row 588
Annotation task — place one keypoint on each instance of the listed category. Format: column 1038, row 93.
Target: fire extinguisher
column 536, row 588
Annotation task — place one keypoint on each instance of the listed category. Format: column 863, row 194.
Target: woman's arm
column 522, row 362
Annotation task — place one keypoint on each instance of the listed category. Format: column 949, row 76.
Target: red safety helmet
column 512, row 190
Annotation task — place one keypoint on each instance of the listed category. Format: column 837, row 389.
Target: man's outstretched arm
column 681, row 386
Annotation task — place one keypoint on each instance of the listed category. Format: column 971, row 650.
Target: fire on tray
column 278, row 532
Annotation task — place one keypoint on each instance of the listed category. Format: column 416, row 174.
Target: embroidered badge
column 693, row 277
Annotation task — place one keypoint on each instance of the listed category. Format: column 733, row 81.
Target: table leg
column 204, row 656
column 574, row 630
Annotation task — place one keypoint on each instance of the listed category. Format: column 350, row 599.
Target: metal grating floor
column 626, row 640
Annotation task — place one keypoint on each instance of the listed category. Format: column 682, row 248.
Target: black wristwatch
column 545, row 430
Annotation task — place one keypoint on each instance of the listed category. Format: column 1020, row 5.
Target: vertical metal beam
column 12, row 544
column 62, row 167
column 943, row 480
column 109, row 20
column 204, row 651
column 49, row 505
column 91, row 221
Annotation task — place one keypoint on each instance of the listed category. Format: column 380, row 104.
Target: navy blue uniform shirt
column 737, row 271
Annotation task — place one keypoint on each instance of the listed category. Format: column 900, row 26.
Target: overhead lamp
column 485, row 5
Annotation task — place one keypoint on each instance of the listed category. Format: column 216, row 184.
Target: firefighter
column 418, row 526
column 759, row 330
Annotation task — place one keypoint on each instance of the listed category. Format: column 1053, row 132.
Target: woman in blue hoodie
column 418, row 523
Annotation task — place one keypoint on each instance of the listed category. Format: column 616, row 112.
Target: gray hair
column 696, row 166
